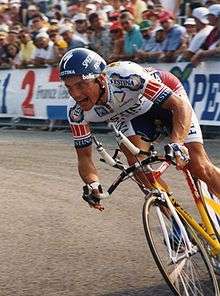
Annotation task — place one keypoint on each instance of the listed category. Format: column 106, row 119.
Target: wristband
column 94, row 185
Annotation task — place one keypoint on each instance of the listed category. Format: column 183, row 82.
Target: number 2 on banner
column 27, row 105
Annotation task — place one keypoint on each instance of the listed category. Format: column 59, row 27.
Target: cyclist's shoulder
column 125, row 69
column 127, row 75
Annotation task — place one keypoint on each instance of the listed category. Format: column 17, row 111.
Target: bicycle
column 184, row 249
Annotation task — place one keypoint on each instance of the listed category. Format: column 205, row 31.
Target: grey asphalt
column 52, row 243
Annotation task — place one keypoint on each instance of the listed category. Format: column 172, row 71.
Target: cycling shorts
column 158, row 121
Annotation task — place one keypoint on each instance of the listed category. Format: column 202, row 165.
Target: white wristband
column 94, row 185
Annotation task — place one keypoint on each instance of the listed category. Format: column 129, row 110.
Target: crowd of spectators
column 37, row 33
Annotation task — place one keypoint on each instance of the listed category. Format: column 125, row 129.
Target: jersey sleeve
column 156, row 92
column 79, row 126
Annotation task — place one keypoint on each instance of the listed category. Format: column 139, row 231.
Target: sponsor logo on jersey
column 133, row 82
column 101, row 111
column 130, row 111
column 83, row 142
column 76, row 114
column 119, row 96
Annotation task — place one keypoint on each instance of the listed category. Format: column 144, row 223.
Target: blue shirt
column 174, row 38
column 133, row 40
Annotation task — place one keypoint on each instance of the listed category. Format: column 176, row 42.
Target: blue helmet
column 81, row 61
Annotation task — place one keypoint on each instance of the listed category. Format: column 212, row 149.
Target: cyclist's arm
column 86, row 167
column 181, row 117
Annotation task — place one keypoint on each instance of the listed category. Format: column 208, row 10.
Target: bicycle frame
column 206, row 231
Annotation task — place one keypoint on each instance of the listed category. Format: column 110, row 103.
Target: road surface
column 52, row 243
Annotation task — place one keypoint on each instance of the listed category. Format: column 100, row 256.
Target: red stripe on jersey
column 152, row 89
column 154, row 85
column 77, row 131
column 80, row 130
column 148, row 93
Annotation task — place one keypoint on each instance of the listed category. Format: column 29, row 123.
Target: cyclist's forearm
column 181, row 119
column 87, row 171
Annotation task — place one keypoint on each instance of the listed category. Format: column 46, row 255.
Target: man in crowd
column 133, row 40
column 174, row 42
column 211, row 46
column 67, row 32
column 203, row 30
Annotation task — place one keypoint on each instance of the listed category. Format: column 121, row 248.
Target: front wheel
column 187, row 270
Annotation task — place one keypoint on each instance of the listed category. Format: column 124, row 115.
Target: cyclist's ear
column 100, row 79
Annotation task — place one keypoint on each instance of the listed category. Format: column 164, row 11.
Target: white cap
column 42, row 35
column 190, row 21
column 201, row 13
column 32, row 7
column 3, row 1
column 108, row 8
column 65, row 28
column 97, row 1
column 79, row 17
column 214, row 9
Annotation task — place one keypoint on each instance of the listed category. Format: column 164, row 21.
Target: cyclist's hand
column 91, row 194
column 180, row 154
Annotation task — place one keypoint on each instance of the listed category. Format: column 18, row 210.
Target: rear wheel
column 187, row 270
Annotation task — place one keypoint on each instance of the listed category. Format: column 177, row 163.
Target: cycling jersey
column 135, row 94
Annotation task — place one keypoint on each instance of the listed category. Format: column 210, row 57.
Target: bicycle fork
column 190, row 249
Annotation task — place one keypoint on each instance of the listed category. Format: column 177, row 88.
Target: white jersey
column 132, row 91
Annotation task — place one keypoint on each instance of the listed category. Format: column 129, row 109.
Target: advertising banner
column 38, row 93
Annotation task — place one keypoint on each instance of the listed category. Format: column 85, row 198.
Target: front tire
column 187, row 273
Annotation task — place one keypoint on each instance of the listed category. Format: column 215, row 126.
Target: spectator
column 211, row 46
column 117, row 41
column 99, row 9
column 203, row 30
column 3, row 43
column 13, row 36
column 32, row 11
column 133, row 38
column 38, row 25
column 3, row 25
column 152, row 16
column 66, row 31
column 148, row 40
column 175, row 41
column 152, row 50
column 100, row 39
column 136, row 7
column 80, row 21
column 171, row 5
column 58, row 41
column 190, row 25
column 90, row 8
column 27, row 48
column 46, row 52
column 43, row 5
column 14, row 8
column 11, row 59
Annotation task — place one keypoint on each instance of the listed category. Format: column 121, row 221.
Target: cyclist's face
column 84, row 91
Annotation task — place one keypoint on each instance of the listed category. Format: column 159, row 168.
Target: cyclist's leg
column 201, row 167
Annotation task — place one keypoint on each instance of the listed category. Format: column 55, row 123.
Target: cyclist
column 135, row 99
